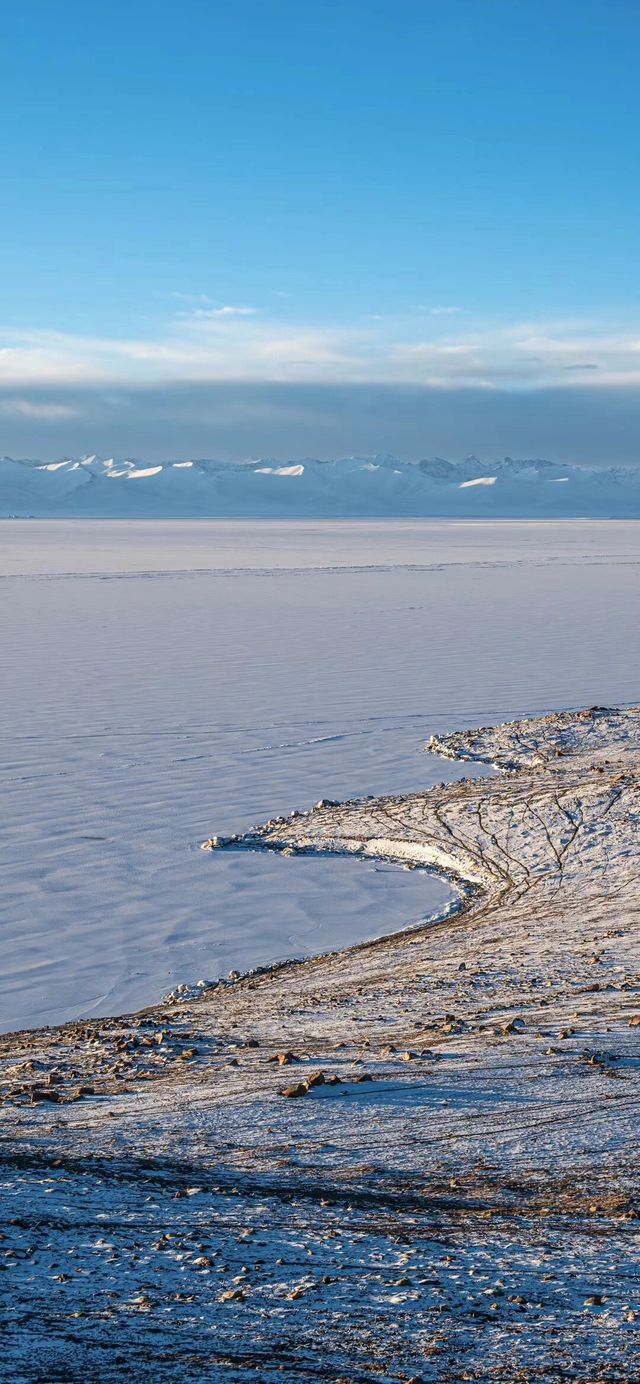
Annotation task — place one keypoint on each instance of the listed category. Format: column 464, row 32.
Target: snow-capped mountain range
column 353, row 487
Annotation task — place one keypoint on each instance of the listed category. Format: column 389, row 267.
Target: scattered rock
column 40, row 1093
column 513, row 1026
column 318, row 1079
column 284, row 1059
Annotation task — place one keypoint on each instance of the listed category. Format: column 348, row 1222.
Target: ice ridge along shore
column 412, row 1160
column 352, row 487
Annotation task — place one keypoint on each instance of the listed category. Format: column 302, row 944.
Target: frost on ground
column 412, row 1160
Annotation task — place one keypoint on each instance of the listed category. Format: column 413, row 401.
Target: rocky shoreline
column 412, row 1160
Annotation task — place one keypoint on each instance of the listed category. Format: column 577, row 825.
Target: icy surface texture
column 454, row 1198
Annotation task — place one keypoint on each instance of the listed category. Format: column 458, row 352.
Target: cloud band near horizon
column 233, row 420
column 437, row 348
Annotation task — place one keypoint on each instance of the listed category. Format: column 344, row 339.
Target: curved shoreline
column 465, row 1120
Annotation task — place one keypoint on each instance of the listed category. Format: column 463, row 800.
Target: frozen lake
column 165, row 680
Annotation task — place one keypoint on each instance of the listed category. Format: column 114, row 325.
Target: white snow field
column 162, row 681
column 350, row 487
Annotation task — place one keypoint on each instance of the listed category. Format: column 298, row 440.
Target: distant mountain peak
column 375, row 486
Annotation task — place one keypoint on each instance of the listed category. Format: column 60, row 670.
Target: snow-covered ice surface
column 163, row 681
column 411, row 1160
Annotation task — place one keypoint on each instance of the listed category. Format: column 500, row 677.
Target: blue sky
column 437, row 201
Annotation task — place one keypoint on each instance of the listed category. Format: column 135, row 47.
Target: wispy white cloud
column 192, row 297
column 30, row 408
column 228, row 311
column 237, row 343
